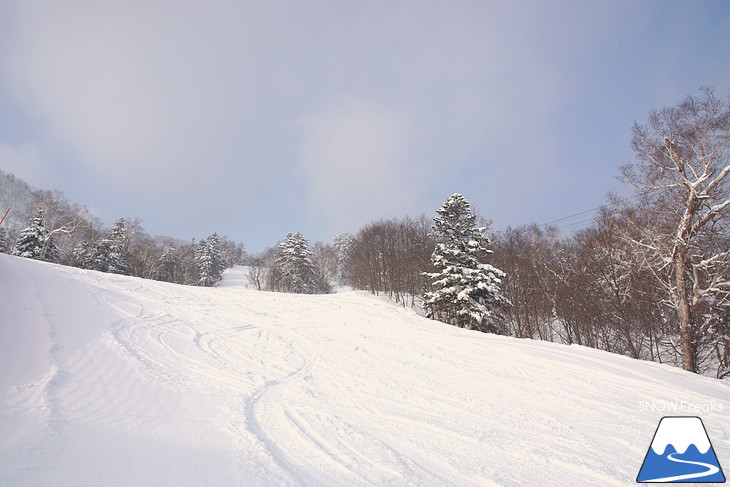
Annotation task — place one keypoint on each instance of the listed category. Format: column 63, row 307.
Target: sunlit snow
column 116, row 381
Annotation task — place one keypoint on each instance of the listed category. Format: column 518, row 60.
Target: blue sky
column 255, row 119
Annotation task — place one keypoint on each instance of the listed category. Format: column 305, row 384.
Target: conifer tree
column 189, row 272
column 165, row 269
column 82, row 255
column 110, row 253
column 34, row 242
column 209, row 258
column 342, row 244
column 464, row 291
column 293, row 265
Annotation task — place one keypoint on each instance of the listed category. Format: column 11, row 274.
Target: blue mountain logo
column 681, row 452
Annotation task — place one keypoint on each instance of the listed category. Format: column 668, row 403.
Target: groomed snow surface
column 117, row 381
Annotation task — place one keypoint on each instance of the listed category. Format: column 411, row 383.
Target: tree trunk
column 688, row 345
column 688, row 340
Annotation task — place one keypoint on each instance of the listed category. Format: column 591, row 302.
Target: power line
column 570, row 217
column 583, row 216
column 576, row 224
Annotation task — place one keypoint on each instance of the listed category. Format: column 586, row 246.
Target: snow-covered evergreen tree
column 165, row 268
column 29, row 243
column 82, row 255
column 342, row 243
column 293, row 265
column 464, row 291
column 110, row 253
column 209, row 258
column 34, row 242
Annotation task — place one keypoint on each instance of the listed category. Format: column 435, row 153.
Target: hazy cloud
column 258, row 118
column 25, row 160
column 356, row 163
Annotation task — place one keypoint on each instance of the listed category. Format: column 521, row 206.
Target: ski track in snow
column 149, row 383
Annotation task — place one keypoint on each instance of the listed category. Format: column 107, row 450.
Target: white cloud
column 203, row 103
column 27, row 160
column 363, row 109
column 356, row 162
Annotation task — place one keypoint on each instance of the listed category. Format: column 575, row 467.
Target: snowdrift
column 117, row 381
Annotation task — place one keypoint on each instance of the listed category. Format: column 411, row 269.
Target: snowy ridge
column 117, row 381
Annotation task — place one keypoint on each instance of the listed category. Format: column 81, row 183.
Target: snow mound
column 117, row 381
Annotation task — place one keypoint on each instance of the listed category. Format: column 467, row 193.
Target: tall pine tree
column 110, row 253
column 209, row 258
column 293, row 265
column 343, row 243
column 166, row 266
column 82, row 255
column 35, row 242
column 464, row 291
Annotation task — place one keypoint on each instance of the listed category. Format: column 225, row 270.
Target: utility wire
column 582, row 217
column 576, row 224
column 570, row 217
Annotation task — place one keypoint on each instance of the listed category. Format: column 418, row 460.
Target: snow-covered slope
column 116, row 381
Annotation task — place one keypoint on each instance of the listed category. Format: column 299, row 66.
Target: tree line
column 387, row 256
column 294, row 266
column 66, row 233
column 648, row 278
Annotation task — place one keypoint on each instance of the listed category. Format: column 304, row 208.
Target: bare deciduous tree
column 525, row 254
column 681, row 176
column 63, row 220
column 389, row 256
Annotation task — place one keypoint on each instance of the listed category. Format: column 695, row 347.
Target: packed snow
column 118, row 381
